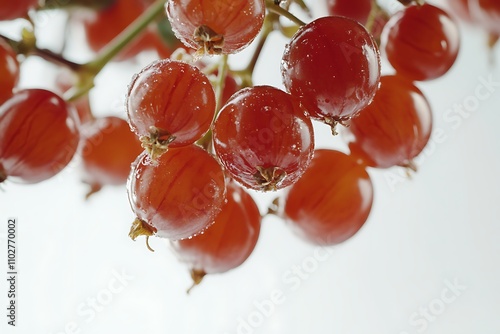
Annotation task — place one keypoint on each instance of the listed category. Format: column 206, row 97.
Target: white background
column 439, row 229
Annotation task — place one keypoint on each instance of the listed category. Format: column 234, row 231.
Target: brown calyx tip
column 197, row 276
column 411, row 167
column 334, row 121
column 94, row 187
column 139, row 227
column 209, row 41
column 269, row 178
column 157, row 142
column 493, row 39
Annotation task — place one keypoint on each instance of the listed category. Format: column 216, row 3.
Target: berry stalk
column 247, row 73
column 274, row 8
column 27, row 48
column 219, row 90
column 88, row 71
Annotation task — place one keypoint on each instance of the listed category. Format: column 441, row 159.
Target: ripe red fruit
column 358, row 10
column 10, row 10
column 331, row 201
column 395, row 128
column 216, row 26
column 170, row 104
column 421, row 42
column 333, row 66
column 177, row 196
column 102, row 26
column 264, row 138
column 106, row 23
column 486, row 13
column 38, row 136
column 107, row 148
column 228, row 242
column 9, row 71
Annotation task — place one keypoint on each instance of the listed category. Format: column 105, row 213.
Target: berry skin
column 264, row 138
column 38, row 136
column 333, row 66
column 102, row 26
column 358, row 10
column 107, row 148
column 216, row 26
column 10, row 10
column 421, row 42
column 177, row 196
column 395, row 128
column 169, row 104
column 331, row 201
column 9, row 71
column 228, row 242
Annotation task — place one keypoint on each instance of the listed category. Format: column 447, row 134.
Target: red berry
column 108, row 148
column 10, row 10
column 421, row 42
column 264, row 138
column 38, row 135
column 228, row 242
column 358, row 10
column 333, row 66
column 216, row 26
column 177, row 196
column 101, row 27
column 395, row 128
column 170, row 104
column 331, row 201
column 9, row 71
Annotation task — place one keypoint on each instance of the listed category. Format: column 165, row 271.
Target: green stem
column 304, row 7
column 371, row 17
column 88, row 71
column 20, row 47
column 125, row 37
column 221, row 79
column 94, row 4
column 206, row 140
column 273, row 8
column 266, row 30
column 246, row 73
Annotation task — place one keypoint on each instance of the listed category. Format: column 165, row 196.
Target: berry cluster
column 198, row 132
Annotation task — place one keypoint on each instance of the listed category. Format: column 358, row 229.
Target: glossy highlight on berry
column 176, row 196
column 332, row 65
column 264, row 138
column 169, row 104
column 216, row 26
